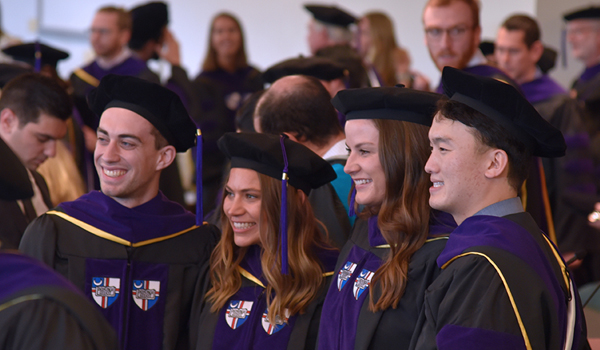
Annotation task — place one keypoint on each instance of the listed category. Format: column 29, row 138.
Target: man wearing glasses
column 452, row 34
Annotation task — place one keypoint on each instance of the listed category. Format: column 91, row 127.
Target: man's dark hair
column 491, row 134
column 304, row 110
column 525, row 23
column 31, row 94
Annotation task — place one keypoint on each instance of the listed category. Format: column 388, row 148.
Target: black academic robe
column 243, row 322
column 40, row 309
column 346, row 321
column 502, row 287
column 328, row 209
column 139, row 266
column 13, row 220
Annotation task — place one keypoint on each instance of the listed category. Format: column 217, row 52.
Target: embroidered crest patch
column 237, row 312
column 272, row 328
column 105, row 290
column 145, row 293
column 345, row 273
column 362, row 282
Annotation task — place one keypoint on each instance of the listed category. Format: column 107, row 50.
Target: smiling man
column 33, row 114
column 503, row 285
column 134, row 253
column 453, row 34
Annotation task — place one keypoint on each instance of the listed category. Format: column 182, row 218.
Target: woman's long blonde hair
column 286, row 294
column 387, row 53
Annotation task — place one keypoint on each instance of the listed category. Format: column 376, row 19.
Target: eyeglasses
column 454, row 32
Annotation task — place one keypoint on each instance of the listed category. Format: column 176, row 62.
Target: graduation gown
column 587, row 83
column 346, row 321
column 40, row 309
column 501, row 288
column 138, row 266
column 243, row 322
column 14, row 221
column 328, row 209
column 216, row 97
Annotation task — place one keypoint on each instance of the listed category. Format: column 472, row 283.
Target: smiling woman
column 270, row 271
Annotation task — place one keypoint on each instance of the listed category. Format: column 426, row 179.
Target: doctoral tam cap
column 148, row 21
column 331, row 15
column 263, row 153
column 506, row 106
column 319, row 67
column 395, row 103
column 592, row 12
column 159, row 105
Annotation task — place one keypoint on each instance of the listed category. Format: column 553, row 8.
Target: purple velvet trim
column 452, row 337
column 579, row 166
column 135, row 327
column 156, row 218
column 577, row 141
column 19, row 272
column 375, row 237
column 131, row 66
column 283, row 226
column 541, row 89
column 199, row 197
column 344, row 300
column 583, row 188
column 483, row 70
column 351, row 207
column 589, row 73
column 501, row 233
column 440, row 223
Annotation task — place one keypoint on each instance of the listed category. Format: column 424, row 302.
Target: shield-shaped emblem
column 362, row 282
column 237, row 312
column 345, row 273
column 145, row 293
column 105, row 290
column 275, row 327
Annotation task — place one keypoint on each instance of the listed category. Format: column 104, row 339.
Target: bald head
column 298, row 105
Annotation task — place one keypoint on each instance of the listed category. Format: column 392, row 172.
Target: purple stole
column 131, row 66
column 506, row 235
column 589, row 73
column 131, row 294
column 541, row 89
column 483, row 70
column 31, row 273
column 349, row 289
column 243, row 322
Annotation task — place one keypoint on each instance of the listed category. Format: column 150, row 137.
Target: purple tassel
column 38, row 57
column 351, row 211
column 283, row 219
column 199, row 209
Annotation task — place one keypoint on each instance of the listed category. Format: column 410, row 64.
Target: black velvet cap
column 319, row 67
column 26, row 53
column 159, row 105
column 14, row 179
column 395, row 103
column 592, row 12
column 148, row 21
column 262, row 153
column 331, row 15
column 487, row 47
column 548, row 59
column 506, row 106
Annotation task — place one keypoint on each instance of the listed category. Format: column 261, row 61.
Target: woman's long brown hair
column 292, row 292
column 403, row 217
column 210, row 63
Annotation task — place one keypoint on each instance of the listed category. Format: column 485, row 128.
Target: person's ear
column 498, row 163
column 166, row 156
